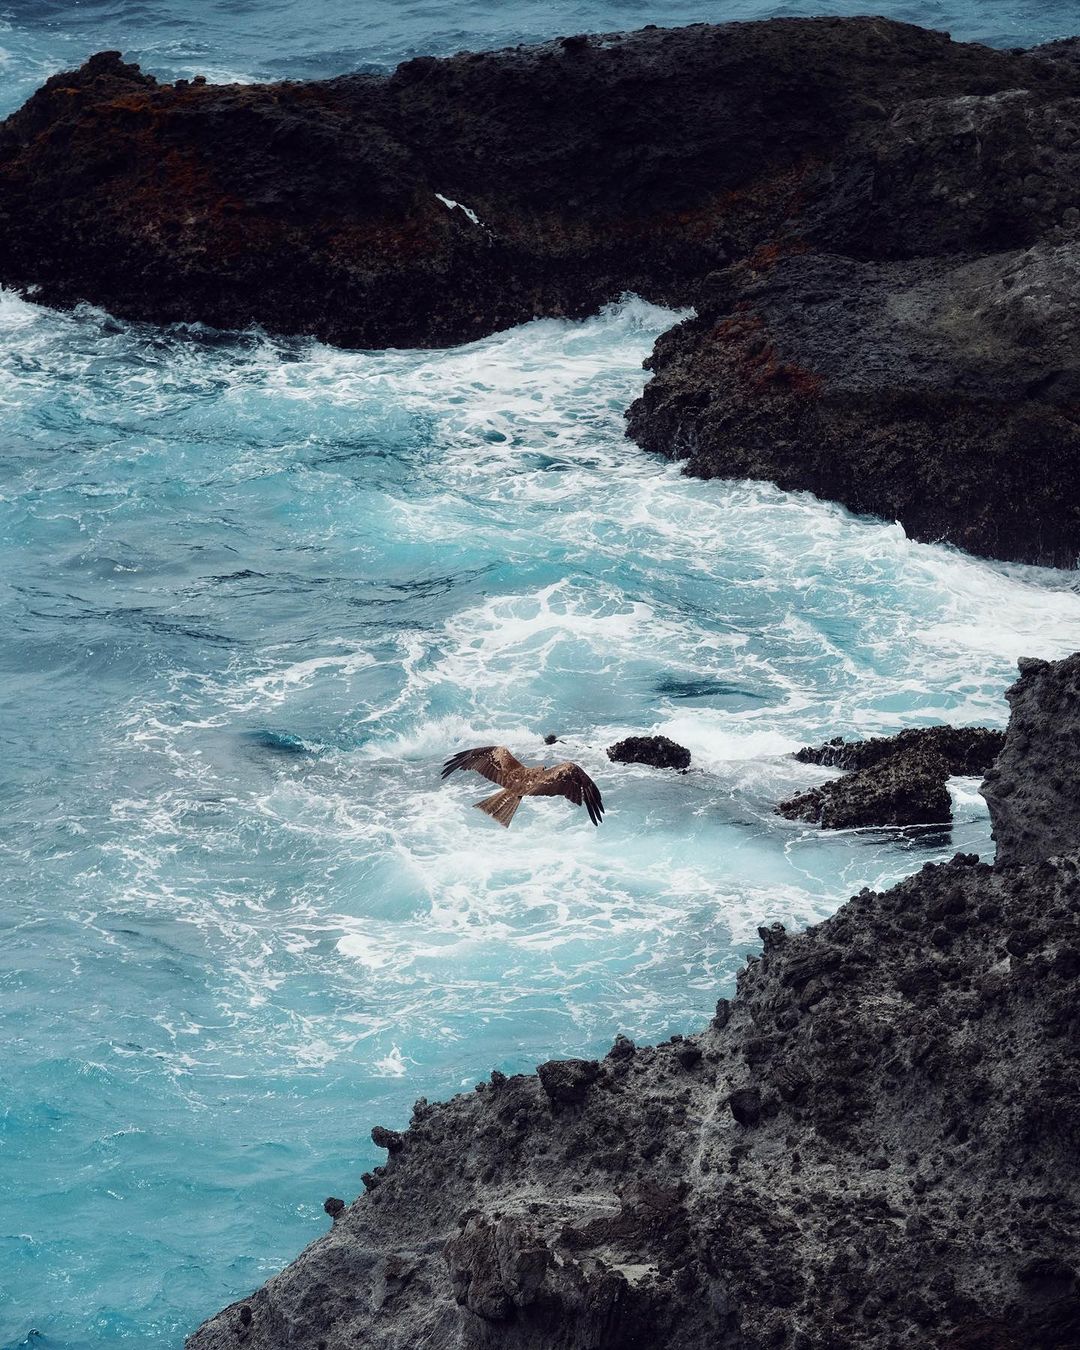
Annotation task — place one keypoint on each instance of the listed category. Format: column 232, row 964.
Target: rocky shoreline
column 873, row 1144
column 878, row 229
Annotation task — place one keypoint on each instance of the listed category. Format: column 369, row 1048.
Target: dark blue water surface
column 253, row 591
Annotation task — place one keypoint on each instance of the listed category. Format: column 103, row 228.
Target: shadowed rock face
column 634, row 161
column 877, row 226
column 908, row 788
column 966, row 750
column 874, row 1144
column 1034, row 790
column 939, row 392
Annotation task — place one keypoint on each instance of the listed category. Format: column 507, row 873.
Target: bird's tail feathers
column 500, row 806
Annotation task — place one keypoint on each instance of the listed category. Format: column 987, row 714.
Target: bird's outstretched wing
column 571, row 781
column 495, row 762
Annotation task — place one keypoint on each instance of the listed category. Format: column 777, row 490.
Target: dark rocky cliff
column 877, row 226
column 633, row 161
column 875, row 1144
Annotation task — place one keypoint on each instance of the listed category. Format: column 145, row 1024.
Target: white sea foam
column 419, row 551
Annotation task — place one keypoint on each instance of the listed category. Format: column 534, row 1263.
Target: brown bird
column 517, row 780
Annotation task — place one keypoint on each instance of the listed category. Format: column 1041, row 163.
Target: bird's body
column 517, row 780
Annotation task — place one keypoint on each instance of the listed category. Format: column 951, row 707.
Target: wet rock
column 966, row 750
column 658, row 751
column 908, row 788
column 898, row 388
column 877, row 227
column 893, row 780
column 1033, row 791
column 648, row 159
column 567, row 1081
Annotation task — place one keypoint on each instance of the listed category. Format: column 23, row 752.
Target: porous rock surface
column 1033, row 791
column 874, row 1144
column 892, row 780
column 941, row 392
column 908, row 788
column 877, row 227
column 659, row 751
column 455, row 196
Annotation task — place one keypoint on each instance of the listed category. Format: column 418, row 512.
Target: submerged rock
column 877, row 1144
column 892, row 780
column 658, row 751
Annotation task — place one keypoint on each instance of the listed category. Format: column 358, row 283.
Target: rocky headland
column 878, row 228
column 892, row 780
column 873, row 1144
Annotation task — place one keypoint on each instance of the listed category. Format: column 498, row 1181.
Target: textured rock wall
column 592, row 166
column 1034, row 790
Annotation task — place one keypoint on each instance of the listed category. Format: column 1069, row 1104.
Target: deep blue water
column 254, row 590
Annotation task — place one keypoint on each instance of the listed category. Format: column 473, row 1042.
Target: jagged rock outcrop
column 628, row 161
column 966, row 750
column 902, row 389
column 892, row 780
column 873, row 1145
column 908, row 788
column 1033, row 792
column 878, row 228
column 659, row 751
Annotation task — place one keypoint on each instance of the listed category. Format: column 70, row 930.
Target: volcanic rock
column 658, row 751
column 901, row 389
column 893, row 780
column 568, row 1080
column 457, row 196
column 966, row 750
column 906, row 789
column 877, row 228
column 1033, row 792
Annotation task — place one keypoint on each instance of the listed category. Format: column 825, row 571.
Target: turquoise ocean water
column 254, row 590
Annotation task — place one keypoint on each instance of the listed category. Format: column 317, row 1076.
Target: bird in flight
column 517, row 780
